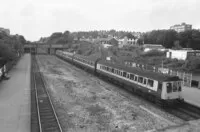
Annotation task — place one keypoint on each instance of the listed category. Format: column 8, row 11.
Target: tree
column 177, row 45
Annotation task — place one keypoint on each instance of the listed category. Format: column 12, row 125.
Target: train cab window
column 124, row 74
column 169, row 87
column 150, row 83
column 175, row 87
column 140, row 79
column 131, row 76
column 179, row 86
column 160, row 86
column 145, row 81
column 136, row 78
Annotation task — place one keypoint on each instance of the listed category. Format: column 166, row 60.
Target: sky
column 40, row 18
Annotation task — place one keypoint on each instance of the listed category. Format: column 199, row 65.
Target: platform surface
column 15, row 98
column 192, row 95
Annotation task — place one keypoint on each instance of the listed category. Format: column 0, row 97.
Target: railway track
column 185, row 111
column 43, row 115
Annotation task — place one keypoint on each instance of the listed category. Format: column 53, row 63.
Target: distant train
column 159, row 88
column 2, row 70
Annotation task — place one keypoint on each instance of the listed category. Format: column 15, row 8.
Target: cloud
column 28, row 10
column 36, row 18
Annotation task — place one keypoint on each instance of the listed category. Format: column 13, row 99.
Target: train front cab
column 172, row 91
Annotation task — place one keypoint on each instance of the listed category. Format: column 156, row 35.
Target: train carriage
column 85, row 62
column 156, row 85
column 65, row 55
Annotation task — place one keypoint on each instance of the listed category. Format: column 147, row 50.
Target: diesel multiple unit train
column 157, row 87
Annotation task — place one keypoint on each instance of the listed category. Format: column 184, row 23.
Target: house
column 107, row 41
column 126, row 41
column 148, row 47
column 182, row 54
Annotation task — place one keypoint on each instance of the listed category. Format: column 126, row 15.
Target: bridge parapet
column 48, row 48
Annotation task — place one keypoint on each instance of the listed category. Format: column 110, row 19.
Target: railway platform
column 15, row 98
column 192, row 95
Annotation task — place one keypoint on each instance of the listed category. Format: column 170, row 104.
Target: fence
column 186, row 77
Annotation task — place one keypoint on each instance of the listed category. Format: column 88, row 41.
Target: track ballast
column 43, row 115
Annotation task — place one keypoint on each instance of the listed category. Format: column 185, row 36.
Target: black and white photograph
column 100, row 66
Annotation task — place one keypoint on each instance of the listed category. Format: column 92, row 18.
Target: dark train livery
column 157, row 87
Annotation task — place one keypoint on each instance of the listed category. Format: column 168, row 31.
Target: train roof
column 89, row 58
column 149, row 74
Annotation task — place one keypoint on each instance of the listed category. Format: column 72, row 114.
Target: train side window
column 150, row 83
column 112, row 70
column 136, row 78
column 128, row 75
column 132, row 76
column 140, row 79
column 120, row 73
column 145, row 81
column 169, row 87
column 124, row 74
column 175, row 87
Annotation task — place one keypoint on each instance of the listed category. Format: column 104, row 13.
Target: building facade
column 181, row 27
column 149, row 47
column 182, row 54
column 126, row 41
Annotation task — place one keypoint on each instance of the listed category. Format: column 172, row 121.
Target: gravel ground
column 85, row 103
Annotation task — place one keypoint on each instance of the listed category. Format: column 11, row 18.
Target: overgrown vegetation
column 170, row 38
column 10, row 45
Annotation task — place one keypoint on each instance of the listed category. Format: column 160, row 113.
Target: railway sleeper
column 51, row 130
column 47, row 116
column 51, row 125
column 48, row 119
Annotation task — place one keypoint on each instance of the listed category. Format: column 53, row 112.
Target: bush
column 6, row 52
column 192, row 63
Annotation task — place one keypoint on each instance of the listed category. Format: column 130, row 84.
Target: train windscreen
column 173, row 86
